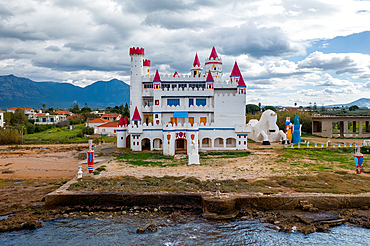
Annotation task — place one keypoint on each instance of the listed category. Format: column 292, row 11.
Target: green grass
column 317, row 160
column 149, row 159
column 60, row 135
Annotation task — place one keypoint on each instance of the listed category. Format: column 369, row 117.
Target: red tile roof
column 14, row 108
column 196, row 61
column 62, row 112
column 209, row 77
column 40, row 114
column 136, row 115
column 213, row 54
column 156, row 77
column 110, row 115
column 241, row 81
column 109, row 124
column 99, row 120
column 236, row 71
column 2, row 111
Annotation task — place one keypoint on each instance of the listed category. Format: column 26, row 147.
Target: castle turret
column 209, row 81
column 137, row 56
column 146, row 66
column 214, row 64
column 242, row 88
column 196, row 69
column 235, row 74
column 157, row 81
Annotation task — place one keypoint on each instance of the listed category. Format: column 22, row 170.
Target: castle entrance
column 180, row 146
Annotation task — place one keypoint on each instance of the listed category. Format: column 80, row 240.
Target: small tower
column 235, row 74
column 196, row 69
column 137, row 56
column 242, row 88
column 136, row 117
column 146, row 66
column 209, row 81
column 214, row 64
column 157, row 81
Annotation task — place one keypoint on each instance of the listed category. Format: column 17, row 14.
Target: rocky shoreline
column 283, row 221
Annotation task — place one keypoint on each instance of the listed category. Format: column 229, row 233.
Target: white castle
column 177, row 113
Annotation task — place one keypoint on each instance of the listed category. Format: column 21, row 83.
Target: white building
column 2, row 121
column 184, row 113
column 46, row 119
column 29, row 112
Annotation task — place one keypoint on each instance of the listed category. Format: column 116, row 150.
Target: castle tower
column 235, row 74
column 146, row 66
column 196, row 69
column 209, row 81
column 137, row 56
column 214, row 64
column 157, row 81
column 242, row 88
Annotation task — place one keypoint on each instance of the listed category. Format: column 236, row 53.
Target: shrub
column 63, row 123
column 80, row 135
column 30, row 128
column 88, row 130
column 10, row 136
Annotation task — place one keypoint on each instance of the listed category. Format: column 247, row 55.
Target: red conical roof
column 236, row 71
column 209, row 77
column 136, row 114
column 241, row 81
column 213, row 54
column 175, row 74
column 196, row 61
column 156, row 77
column 120, row 123
column 125, row 121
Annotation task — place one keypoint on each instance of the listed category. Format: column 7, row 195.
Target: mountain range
column 23, row 92
column 362, row 102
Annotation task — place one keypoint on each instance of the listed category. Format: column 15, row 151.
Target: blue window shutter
column 191, row 102
column 173, row 102
column 201, row 102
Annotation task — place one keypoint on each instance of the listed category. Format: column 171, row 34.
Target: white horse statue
column 265, row 130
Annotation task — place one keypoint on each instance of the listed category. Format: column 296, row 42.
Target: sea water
column 187, row 229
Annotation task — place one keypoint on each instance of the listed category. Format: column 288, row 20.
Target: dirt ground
column 40, row 161
column 56, row 161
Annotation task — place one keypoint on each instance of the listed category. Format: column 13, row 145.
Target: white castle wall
column 229, row 109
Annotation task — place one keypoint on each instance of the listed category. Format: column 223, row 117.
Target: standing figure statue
column 359, row 158
column 288, row 129
column 296, row 130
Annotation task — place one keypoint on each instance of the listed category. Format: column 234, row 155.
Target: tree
column 126, row 111
column 354, row 108
column 18, row 118
column 75, row 108
column 44, row 106
column 269, row 107
column 252, row 109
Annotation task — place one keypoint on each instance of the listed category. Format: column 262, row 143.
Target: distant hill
column 23, row 92
column 362, row 102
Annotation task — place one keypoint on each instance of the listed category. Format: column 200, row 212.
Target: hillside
column 23, row 92
column 362, row 102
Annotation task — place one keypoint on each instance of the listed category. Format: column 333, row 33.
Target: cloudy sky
column 288, row 51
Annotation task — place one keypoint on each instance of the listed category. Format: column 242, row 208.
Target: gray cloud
column 53, row 48
column 4, row 12
column 80, row 47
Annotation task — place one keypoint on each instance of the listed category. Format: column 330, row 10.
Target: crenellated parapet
column 136, row 51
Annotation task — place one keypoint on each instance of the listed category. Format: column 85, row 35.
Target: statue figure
column 296, row 130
